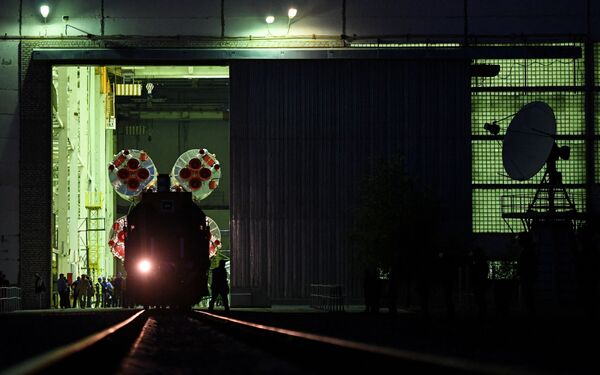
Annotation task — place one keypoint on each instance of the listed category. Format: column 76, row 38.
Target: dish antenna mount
column 529, row 144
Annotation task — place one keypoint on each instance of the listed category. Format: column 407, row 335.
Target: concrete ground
column 551, row 342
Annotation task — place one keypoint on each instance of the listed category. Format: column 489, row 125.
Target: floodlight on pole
column 291, row 14
column 269, row 20
column 45, row 10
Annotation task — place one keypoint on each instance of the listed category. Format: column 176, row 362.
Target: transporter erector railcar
column 166, row 241
column 167, row 250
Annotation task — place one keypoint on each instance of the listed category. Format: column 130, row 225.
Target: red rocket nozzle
column 217, row 167
column 133, row 184
column 111, row 167
column 195, row 164
column 212, row 185
column 185, row 173
column 195, row 184
column 205, row 174
column 123, row 173
column 142, row 174
column 133, row 163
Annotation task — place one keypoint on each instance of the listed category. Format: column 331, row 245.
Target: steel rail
column 438, row 362
column 45, row 361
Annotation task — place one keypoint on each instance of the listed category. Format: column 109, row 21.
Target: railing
column 10, row 299
column 327, row 297
column 516, row 205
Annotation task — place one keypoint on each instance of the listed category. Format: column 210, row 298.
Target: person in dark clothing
column 372, row 291
column 586, row 262
column 446, row 273
column 40, row 287
column 527, row 271
column 118, row 290
column 219, row 286
column 75, row 291
column 3, row 281
column 99, row 294
column 62, row 287
column 479, row 270
column 393, row 291
column 423, row 269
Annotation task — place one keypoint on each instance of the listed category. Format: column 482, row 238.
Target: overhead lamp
column 45, row 10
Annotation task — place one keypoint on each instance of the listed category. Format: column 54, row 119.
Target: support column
column 589, row 125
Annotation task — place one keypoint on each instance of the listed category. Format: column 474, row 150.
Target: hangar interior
column 98, row 111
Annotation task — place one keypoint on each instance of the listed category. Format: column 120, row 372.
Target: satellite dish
column 528, row 141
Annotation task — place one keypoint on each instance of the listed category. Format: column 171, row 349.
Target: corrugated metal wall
column 302, row 135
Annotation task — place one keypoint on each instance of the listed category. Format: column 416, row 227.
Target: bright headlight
column 144, row 266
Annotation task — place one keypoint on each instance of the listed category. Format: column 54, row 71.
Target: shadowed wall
column 303, row 133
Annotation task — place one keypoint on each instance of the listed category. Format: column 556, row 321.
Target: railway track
column 164, row 341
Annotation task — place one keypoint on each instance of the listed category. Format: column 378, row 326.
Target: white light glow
column 270, row 19
column 45, row 10
column 144, row 266
column 292, row 12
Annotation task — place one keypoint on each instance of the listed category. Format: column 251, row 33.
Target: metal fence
column 10, row 299
column 327, row 297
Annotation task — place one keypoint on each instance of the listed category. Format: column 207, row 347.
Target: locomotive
column 166, row 240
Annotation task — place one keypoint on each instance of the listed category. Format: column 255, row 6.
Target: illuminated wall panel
column 568, row 106
column 488, row 169
column 558, row 82
column 487, row 215
column 596, row 113
column 597, row 159
column 534, row 73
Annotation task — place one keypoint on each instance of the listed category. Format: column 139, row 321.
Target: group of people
column 441, row 268
column 111, row 292
column 85, row 293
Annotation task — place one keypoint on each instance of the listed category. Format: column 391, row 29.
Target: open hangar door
column 154, row 114
column 304, row 133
